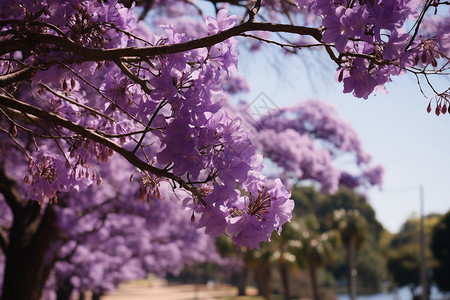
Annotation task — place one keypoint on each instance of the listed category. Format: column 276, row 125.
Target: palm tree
column 352, row 227
column 312, row 248
column 283, row 256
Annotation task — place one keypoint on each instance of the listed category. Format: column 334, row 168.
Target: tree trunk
column 82, row 295
column 313, row 277
column 26, row 266
column 284, row 272
column 97, row 296
column 64, row 290
column 412, row 288
column 263, row 280
column 30, row 237
column 351, row 276
column 242, row 280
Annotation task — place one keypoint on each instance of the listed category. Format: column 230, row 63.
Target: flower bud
column 142, row 193
column 437, row 111
column 429, row 107
column 341, row 75
column 433, row 62
column 424, row 57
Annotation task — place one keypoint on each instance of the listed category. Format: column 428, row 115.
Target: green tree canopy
column 440, row 246
column 369, row 263
column 404, row 254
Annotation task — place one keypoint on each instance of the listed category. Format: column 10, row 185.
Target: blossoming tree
column 81, row 81
column 106, row 239
column 97, row 239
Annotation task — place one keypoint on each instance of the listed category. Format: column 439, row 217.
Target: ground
column 159, row 290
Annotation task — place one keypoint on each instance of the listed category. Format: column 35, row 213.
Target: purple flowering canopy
column 105, row 239
column 90, row 93
column 81, row 81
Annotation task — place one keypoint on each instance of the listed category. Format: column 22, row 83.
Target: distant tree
column 404, row 265
column 306, row 199
column 284, row 256
column 440, row 246
column 302, row 142
column 353, row 231
column 349, row 199
column 242, row 262
column 403, row 261
column 312, row 248
column 370, row 264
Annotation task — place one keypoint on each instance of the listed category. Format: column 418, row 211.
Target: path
column 146, row 290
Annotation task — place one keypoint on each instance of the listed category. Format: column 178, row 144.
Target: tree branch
column 8, row 187
column 81, row 53
column 17, row 76
column 90, row 109
column 55, row 119
column 4, row 240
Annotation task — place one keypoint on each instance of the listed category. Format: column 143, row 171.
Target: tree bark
column 82, row 295
column 97, row 296
column 242, row 280
column 284, row 272
column 313, row 277
column 263, row 274
column 351, row 278
column 30, row 237
column 26, row 267
column 64, row 290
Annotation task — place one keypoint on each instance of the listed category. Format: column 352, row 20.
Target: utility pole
column 423, row 262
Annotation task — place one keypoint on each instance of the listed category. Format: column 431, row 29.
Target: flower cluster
column 372, row 43
column 304, row 141
column 165, row 111
column 104, row 239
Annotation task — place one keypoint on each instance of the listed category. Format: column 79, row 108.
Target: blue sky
column 395, row 129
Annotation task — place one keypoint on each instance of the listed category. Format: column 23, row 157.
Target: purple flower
column 212, row 218
column 221, row 23
column 349, row 181
column 385, row 15
column 359, row 80
column 164, row 86
column 254, row 217
column 181, row 150
column 336, row 31
column 247, row 231
column 345, row 23
column 119, row 88
column 443, row 37
column 356, row 20
column 281, row 205
column 394, row 48
column 374, row 176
